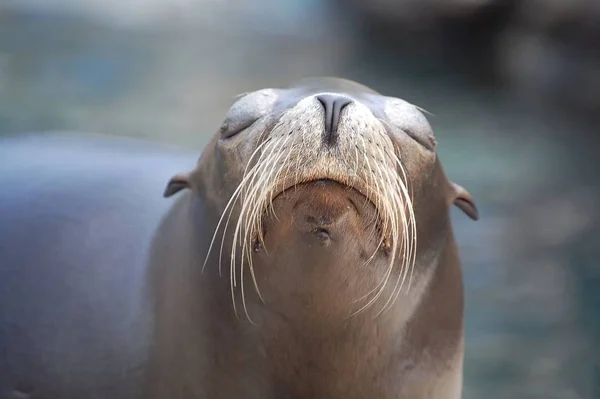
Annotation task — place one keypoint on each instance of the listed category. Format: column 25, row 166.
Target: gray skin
column 76, row 215
column 103, row 293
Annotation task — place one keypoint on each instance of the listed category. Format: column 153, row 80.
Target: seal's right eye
column 247, row 110
column 229, row 128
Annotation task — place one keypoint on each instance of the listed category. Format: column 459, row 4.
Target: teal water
column 531, row 265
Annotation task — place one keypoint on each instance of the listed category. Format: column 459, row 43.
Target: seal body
column 308, row 253
column 76, row 216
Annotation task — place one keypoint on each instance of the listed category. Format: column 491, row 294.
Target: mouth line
column 357, row 198
column 354, row 200
column 324, row 181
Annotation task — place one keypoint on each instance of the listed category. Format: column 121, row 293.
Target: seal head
column 318, row 132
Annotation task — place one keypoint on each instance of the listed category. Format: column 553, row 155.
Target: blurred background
column 514, row 87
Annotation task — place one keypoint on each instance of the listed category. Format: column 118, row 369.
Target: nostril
column 322, row 234
column 332, row 105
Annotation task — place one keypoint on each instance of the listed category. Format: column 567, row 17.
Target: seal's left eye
column 410, row 119
column 424, row 139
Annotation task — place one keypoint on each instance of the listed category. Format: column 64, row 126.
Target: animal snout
column 333, row 105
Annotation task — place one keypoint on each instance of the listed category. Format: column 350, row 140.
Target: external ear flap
column 464, row 201
column 176, row 184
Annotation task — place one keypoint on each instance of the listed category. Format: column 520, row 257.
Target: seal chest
column 319, row 265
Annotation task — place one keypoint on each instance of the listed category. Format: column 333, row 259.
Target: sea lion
column 77, row 212
column 310, row 254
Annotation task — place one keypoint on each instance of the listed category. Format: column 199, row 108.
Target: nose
column 333, row 105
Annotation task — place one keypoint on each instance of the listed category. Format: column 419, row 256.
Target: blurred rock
column 440, row 31
column 409, row 15
column 547, row 51
column 550, row 53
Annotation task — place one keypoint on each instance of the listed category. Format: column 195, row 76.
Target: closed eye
column 425, row 140
column 230, row 129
